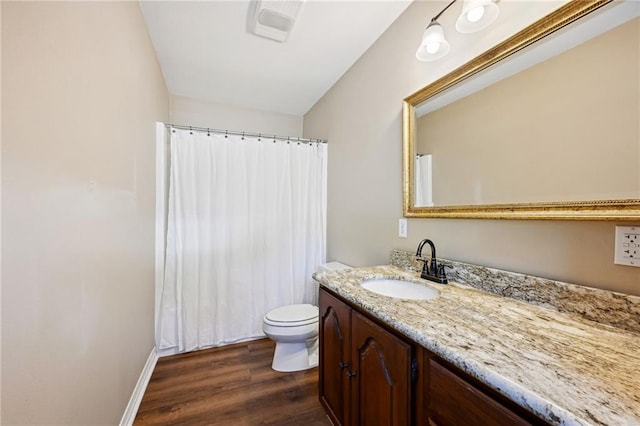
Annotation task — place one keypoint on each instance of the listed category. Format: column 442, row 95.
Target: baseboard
column 138, row 392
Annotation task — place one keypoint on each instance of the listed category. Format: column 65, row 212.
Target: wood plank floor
column 230, row 385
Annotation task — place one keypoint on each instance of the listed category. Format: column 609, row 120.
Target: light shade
column 433, row 45
column 476, row 15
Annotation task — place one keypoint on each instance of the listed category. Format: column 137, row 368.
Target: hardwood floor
column 230, row 385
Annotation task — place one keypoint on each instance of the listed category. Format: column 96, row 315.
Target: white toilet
column 294, row 328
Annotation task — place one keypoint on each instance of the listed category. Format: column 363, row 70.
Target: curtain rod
column 251, row 134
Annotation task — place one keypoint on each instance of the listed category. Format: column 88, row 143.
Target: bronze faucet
column 433, row 272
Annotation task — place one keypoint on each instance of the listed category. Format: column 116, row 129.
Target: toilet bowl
column 294, row 328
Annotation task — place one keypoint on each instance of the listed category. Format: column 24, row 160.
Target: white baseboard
column 138, row 392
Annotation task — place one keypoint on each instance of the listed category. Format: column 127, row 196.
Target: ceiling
column 206, row 53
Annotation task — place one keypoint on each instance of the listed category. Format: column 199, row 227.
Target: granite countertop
column 565, row 369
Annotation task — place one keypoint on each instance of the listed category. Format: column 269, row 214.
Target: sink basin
column 400, row 289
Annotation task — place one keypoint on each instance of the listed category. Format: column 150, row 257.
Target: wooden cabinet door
column 452, row 401
column 335, row 327
column 380, row 377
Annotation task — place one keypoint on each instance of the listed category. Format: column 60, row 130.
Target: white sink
column 400, row 289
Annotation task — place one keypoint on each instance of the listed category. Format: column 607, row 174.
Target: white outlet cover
column 402, row 228
column 627, row 248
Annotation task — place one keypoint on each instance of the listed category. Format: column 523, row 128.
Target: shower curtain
column 424, row 181
column 245, row 230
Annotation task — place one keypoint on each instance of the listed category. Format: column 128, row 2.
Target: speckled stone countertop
column 566, row 369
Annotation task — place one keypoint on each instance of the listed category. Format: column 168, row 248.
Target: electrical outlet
column 402, row 228
column 627, row 251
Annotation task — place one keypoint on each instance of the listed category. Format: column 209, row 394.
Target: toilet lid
column 293, row 313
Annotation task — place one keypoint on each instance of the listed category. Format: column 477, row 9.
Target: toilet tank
column 332, row 266
column 327, row 267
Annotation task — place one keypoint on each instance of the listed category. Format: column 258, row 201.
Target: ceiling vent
column 273, row 19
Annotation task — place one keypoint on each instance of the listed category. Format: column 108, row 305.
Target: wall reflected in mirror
column 564, row 129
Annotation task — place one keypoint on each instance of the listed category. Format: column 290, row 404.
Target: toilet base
column 296, row 356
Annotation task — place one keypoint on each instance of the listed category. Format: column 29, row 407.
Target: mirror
column 545, row 125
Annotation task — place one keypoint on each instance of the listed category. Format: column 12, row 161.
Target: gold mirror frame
column 580, row 210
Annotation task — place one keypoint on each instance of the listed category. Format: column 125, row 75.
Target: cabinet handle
column 343, row 365
column 351, row 374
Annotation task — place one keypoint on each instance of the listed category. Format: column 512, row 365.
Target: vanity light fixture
column 475, row 16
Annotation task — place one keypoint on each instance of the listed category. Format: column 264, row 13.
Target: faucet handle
column 441, row 273
column 425, row 266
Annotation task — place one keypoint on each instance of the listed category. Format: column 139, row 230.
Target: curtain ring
column 242, row 135
column 259, row 137
column 190, row 130
column 208, row 132
column 226, row 133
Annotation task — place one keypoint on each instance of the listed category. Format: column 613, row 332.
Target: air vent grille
column 273, row 19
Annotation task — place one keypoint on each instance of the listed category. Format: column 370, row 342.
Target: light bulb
column 432, row 48
column 475, row 14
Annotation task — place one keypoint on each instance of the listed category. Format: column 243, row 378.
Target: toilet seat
column 292, row 316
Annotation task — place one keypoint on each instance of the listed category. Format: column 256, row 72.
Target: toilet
column 294, row 328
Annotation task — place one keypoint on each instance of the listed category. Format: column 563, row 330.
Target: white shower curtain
column 245, row 231
column 424, row 181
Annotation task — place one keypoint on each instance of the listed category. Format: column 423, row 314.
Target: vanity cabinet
column 370, row 375
column 365, row 370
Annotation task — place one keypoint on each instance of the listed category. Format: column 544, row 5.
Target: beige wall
column 361, row 118
column 82, row 91
column 194, row 112
column 553, row 145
